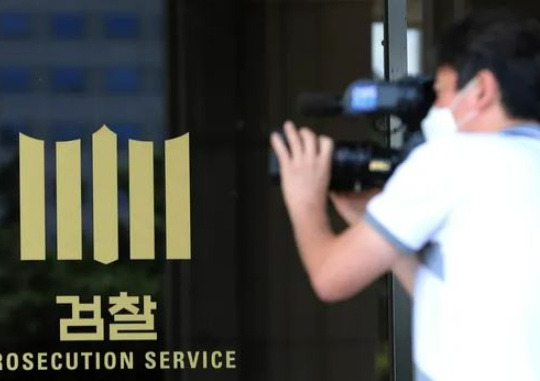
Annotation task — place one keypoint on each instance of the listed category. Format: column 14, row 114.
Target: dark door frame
column 399, row 305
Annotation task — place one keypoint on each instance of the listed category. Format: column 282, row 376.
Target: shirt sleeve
column 417, row 199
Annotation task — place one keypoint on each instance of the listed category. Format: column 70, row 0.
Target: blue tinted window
column 68, row 25
column 122, row 80
column 68, row 79
column 9, row 132
column 121, row 25
column 14, row 25
column 67, row 130
column 125, row 131
column 15, row 79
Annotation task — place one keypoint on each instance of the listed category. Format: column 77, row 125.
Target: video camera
column 359, row 166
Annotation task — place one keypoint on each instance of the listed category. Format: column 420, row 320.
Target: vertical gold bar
column 141, row 200
column 177, row 198
column 68, row 200
column 105, row 190
column 32, row 198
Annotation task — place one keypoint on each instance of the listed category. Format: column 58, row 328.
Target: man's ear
column 488, row 93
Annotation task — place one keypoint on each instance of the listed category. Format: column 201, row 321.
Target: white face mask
column 440, row 121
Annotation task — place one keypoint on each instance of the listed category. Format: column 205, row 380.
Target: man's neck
column 516, row 122
column 498, row 120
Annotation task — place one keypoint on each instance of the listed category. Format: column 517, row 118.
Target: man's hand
column 338, row 265
column 304, row 167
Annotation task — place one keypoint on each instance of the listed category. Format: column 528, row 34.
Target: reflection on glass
column 68, row 26
column 14, row 25
column 66, row 69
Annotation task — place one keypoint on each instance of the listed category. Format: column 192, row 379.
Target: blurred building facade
column 71, row 66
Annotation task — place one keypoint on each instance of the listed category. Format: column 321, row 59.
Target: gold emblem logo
column 105, row 198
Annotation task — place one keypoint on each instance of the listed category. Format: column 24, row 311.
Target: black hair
column 504, row 43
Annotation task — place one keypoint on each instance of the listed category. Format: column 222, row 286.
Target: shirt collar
column 529, row 130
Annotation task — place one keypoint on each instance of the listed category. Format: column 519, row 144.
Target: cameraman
column 468, row 200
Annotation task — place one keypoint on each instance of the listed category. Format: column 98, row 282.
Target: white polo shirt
column 471, row 204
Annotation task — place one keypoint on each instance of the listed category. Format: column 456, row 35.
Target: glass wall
column 245, row 72
column 66, row 69
column 229, row 73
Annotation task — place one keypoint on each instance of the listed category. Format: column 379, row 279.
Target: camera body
column 359, row 166
column 409, row 99
column 355, row 166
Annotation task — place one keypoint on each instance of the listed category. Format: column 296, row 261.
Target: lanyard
column 529, row 130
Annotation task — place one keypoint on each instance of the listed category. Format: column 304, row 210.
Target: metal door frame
column 399, row 303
